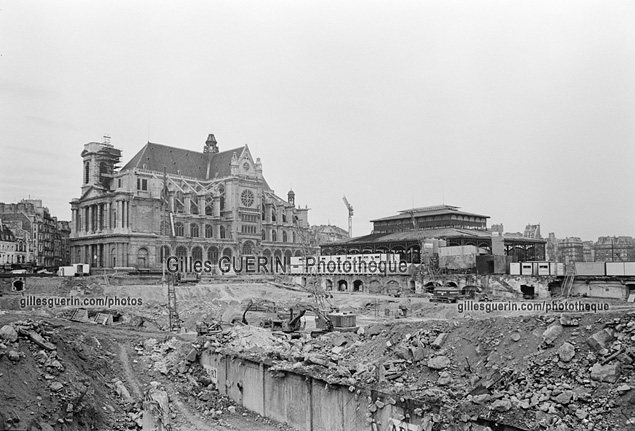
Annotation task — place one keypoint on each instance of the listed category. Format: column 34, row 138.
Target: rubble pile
column 544, row 372
column 67, row 377
column 178, row 362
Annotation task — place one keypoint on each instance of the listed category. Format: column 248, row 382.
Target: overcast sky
column 520, row 110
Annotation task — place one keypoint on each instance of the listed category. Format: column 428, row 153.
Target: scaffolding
column 107, row 158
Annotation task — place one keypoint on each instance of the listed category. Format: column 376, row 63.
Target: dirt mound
column 51, row 377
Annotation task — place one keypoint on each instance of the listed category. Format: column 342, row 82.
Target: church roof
column 178, row 161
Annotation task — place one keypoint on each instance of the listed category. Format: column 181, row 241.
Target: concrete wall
column 600, row 289
column 303, row 402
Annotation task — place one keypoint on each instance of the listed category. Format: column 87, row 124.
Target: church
column 168, row 201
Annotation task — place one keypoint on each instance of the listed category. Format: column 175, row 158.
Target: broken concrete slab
column 600, row 339
column 374, row 330
column 337, row 350
column 419, row 354
column 623, row 388
column 192, row 355
column 317, row 359
column 439, row 362
column 37, row 339
column 564, row 398
column 339, row 340
column 403, row 353
column 606, row 373
column 444, row 379
column 502, row 405
column 551, row 333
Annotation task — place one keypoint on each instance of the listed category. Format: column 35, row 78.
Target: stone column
column 120, row 214
column 201, row 205
column 115, row 215
column 90, row 219
column 188, row 200
column 267, row 213
column 123, row 214
column 216, row 205
column 109, row 217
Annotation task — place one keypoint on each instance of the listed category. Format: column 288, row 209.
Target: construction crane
column 350, row 216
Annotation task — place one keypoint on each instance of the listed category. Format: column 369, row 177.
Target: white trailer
column 74, row 270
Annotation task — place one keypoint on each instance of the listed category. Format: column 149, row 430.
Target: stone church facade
column 168, row 201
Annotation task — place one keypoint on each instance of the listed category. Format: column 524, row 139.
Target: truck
column 449, row 294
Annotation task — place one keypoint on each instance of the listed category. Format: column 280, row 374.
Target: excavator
column 290, row 323
column 294, row 324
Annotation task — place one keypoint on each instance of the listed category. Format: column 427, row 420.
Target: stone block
column 439, row 362
column 606, row 373
column 600, row 339
column 8, row 333
column 551, row 333
column 566, row 352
